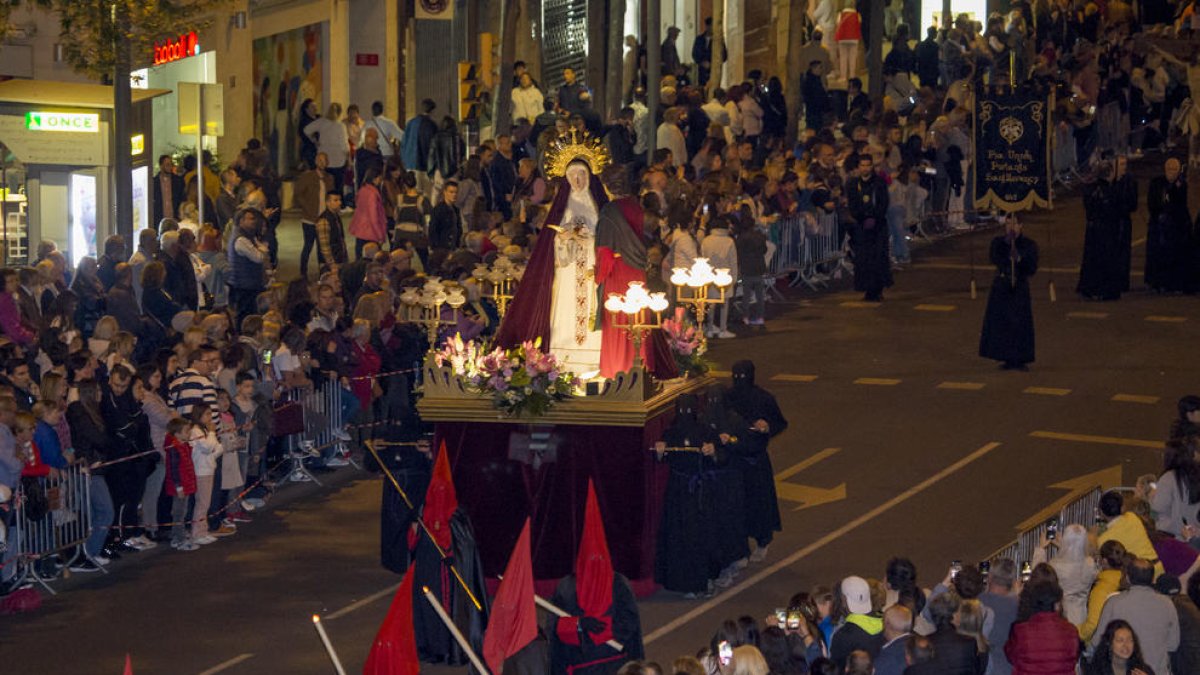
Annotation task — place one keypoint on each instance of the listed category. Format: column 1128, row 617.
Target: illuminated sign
column 138, row 141
column 173, row 49
column 56, row 121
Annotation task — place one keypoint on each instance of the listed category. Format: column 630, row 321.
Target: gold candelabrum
column 499, row 281
column 694, row 287
column 631, row 313
column 423, row 306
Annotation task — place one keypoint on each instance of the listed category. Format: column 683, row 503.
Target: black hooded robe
column 435, row 644
column 729, row 497
column 411, row 470
column 1166, row 234
column 588, row 658
column 1127, row 198
column 868, row 203
column 753, row 403
column 1007, row 333
column 686, row 559
column 1100, row 272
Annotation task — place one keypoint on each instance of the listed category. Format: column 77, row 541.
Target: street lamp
column 629, row 314
column 502, row 278
column 692, row 288
column 423, row 306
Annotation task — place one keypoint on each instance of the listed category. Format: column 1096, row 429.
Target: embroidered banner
column 1012, row 169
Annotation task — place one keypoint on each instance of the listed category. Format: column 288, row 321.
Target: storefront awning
column 67, row 94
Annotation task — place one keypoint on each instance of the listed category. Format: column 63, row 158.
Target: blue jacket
column 46, row 439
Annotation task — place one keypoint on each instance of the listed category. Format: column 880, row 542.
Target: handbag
column 287, row 419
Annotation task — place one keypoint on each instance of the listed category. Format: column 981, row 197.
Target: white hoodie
column 205, row 451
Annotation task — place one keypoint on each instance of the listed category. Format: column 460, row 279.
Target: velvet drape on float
column 499, row 494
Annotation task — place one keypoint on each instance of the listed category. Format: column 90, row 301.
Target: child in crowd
column 233, row 478
column 244, row 411
column 205, row 451
column 180, row 481
column 45, row 436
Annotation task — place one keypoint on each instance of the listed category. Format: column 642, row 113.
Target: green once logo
column 57, row 121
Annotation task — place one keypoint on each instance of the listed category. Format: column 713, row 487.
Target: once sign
column 56, row 121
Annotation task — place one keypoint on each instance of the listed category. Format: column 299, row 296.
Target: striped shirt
column 190, row 389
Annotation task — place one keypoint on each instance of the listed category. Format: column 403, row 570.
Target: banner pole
column 1050, row 192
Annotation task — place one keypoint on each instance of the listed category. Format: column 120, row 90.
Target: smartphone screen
column 1026, row 570
column 781, row 616
column 267, row 357
column 724, row 652
column 955, row 568
column 793, row 619
column 1052, row 530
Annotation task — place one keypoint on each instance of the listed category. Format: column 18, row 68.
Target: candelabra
column 629, row 313
column 501, row 280
column 423, row 306
column 698, row 282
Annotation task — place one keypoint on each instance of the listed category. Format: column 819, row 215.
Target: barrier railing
column 65, row 524
column 1080, row 511
column 322, row 408
column 809, row 247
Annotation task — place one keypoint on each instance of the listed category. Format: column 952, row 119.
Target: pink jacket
column 369, row 222
column 10, row 321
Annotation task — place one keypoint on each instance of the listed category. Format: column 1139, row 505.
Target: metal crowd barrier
column 810, row 248
column 1081, row 511
column 66, row 524
column 322, row 408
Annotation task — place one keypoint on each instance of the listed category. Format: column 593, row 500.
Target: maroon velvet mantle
column 528, row 316
column 499, row 494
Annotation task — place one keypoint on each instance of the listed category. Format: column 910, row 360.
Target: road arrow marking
column 807, row 495
column 810, row 496
column 1076, row 488
column 797, row 468
column 1104, row 440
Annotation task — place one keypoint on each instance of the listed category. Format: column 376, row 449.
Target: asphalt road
column 938, row 454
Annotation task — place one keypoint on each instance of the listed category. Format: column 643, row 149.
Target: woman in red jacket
column 1042, row 642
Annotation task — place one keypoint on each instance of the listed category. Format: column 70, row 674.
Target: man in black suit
column 168, row 190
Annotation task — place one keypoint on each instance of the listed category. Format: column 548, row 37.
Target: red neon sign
column 174, row 49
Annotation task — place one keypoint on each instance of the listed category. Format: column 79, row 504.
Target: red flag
column 128, row 664
column 513, row 621
column 441, row 501
column 395, row 649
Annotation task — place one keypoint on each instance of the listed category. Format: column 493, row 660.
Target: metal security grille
column 564, row 41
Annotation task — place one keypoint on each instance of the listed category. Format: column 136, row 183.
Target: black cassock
column 753, row 403
column 729, row 496
column 868, row 203
column 1171, row 251
column 1008, row 324
column 588, row 658
column 1127, row 193
column 411, row 469
column 686, row 558
column 1100, row 273
column 434, row 642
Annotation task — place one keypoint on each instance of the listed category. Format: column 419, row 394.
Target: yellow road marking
column 877, row 381
column 1087, row 315
column 802, row 465
column 965, row 386
column 1160, row 318
column 1104, row 478
column 1103, row 440
column 1047, row 391
column 859, row 304
column 720, row 373
column 935, row 308
column 787, row 377
column 1135, row 398
column 705, row 607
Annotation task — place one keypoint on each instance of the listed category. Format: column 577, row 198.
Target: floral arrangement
column 683, row 337
column 523, row 381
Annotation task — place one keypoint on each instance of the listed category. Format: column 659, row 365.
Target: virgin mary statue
column 557, row 300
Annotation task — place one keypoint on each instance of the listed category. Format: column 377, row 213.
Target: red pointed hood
column 128, row 664
column 441, row 501
column 593, row 567
column 513, row 621
column 394, row 651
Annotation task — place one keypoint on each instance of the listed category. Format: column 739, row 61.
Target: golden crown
column 574, row 146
